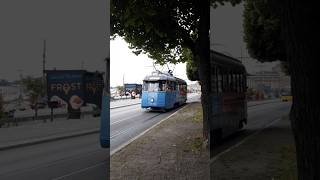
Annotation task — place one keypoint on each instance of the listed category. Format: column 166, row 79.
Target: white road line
column 141, row 134
column 79, row 171
column 241, row 142
column 124, row 119
column 129, row 129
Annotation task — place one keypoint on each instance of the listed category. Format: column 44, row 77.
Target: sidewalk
column 45, row 132
column 172, row 150
column 267, row 155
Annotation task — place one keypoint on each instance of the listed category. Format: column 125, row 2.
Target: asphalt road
column 78, row 158
column 259, row 117
column 82, row 158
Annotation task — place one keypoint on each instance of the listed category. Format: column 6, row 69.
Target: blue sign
column 74, row 88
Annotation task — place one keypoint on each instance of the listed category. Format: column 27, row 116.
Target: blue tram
column 228, row 94
column 163, row 91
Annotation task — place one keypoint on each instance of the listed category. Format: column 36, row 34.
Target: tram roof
column 158, row 76
column 224, row 60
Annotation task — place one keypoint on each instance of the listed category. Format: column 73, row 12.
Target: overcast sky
column 227, row 35
column 75, row 31
column 131, row 68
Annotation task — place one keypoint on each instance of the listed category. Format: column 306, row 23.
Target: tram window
column 244, row 83
column 153, row 86
column 234, row 82
column 219, row 80
column 169, row 86
column 231, row 82
column 237, row 83
column 214, row 80
column 228, row 82
column 175, row 86
column 234, row 88
column 225, row 81
column 240, row 83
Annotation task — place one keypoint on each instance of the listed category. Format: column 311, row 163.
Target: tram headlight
column 152, row 100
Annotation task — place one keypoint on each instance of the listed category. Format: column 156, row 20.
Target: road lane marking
column 79, row 171
column 243, row 140
column 127, row 130
column 125, row 119
column 144, row 132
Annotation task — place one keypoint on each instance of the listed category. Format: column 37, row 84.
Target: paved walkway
column 263, row 156
column 172, row 150
column 43, row 132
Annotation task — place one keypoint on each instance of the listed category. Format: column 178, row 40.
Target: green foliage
column 165, row 30
column 262, row 32
column 34, row 87
column 192, row 71
column 158, row 28
column 120, row 88
column 288, row 165
column 285, row 67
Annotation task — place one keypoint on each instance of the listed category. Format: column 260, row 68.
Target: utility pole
column 123, row 86
column 44, row 55
column 20, row 89
column 44, row 59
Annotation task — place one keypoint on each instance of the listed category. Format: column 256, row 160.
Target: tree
column 35, row 89
column 170, row 31
column 287, row 31
column 285, row 67
column 120, row 89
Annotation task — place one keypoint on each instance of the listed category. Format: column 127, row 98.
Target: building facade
column 270, row 83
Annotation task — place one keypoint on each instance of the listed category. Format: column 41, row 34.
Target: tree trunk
column 202, row 58
column 299, row 25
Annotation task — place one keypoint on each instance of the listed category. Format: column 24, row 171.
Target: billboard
column 93, row 88
column 133, row 87
column 74, row 88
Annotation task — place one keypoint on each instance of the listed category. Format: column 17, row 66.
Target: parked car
column 39, row 105
column 286, row 97
column 54, row 104
column 10, row 113
column 22, row 108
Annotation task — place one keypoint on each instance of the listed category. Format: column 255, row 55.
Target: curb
column 48, row 139
column 124, row 106
column 145, row 131
column 264, row 103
